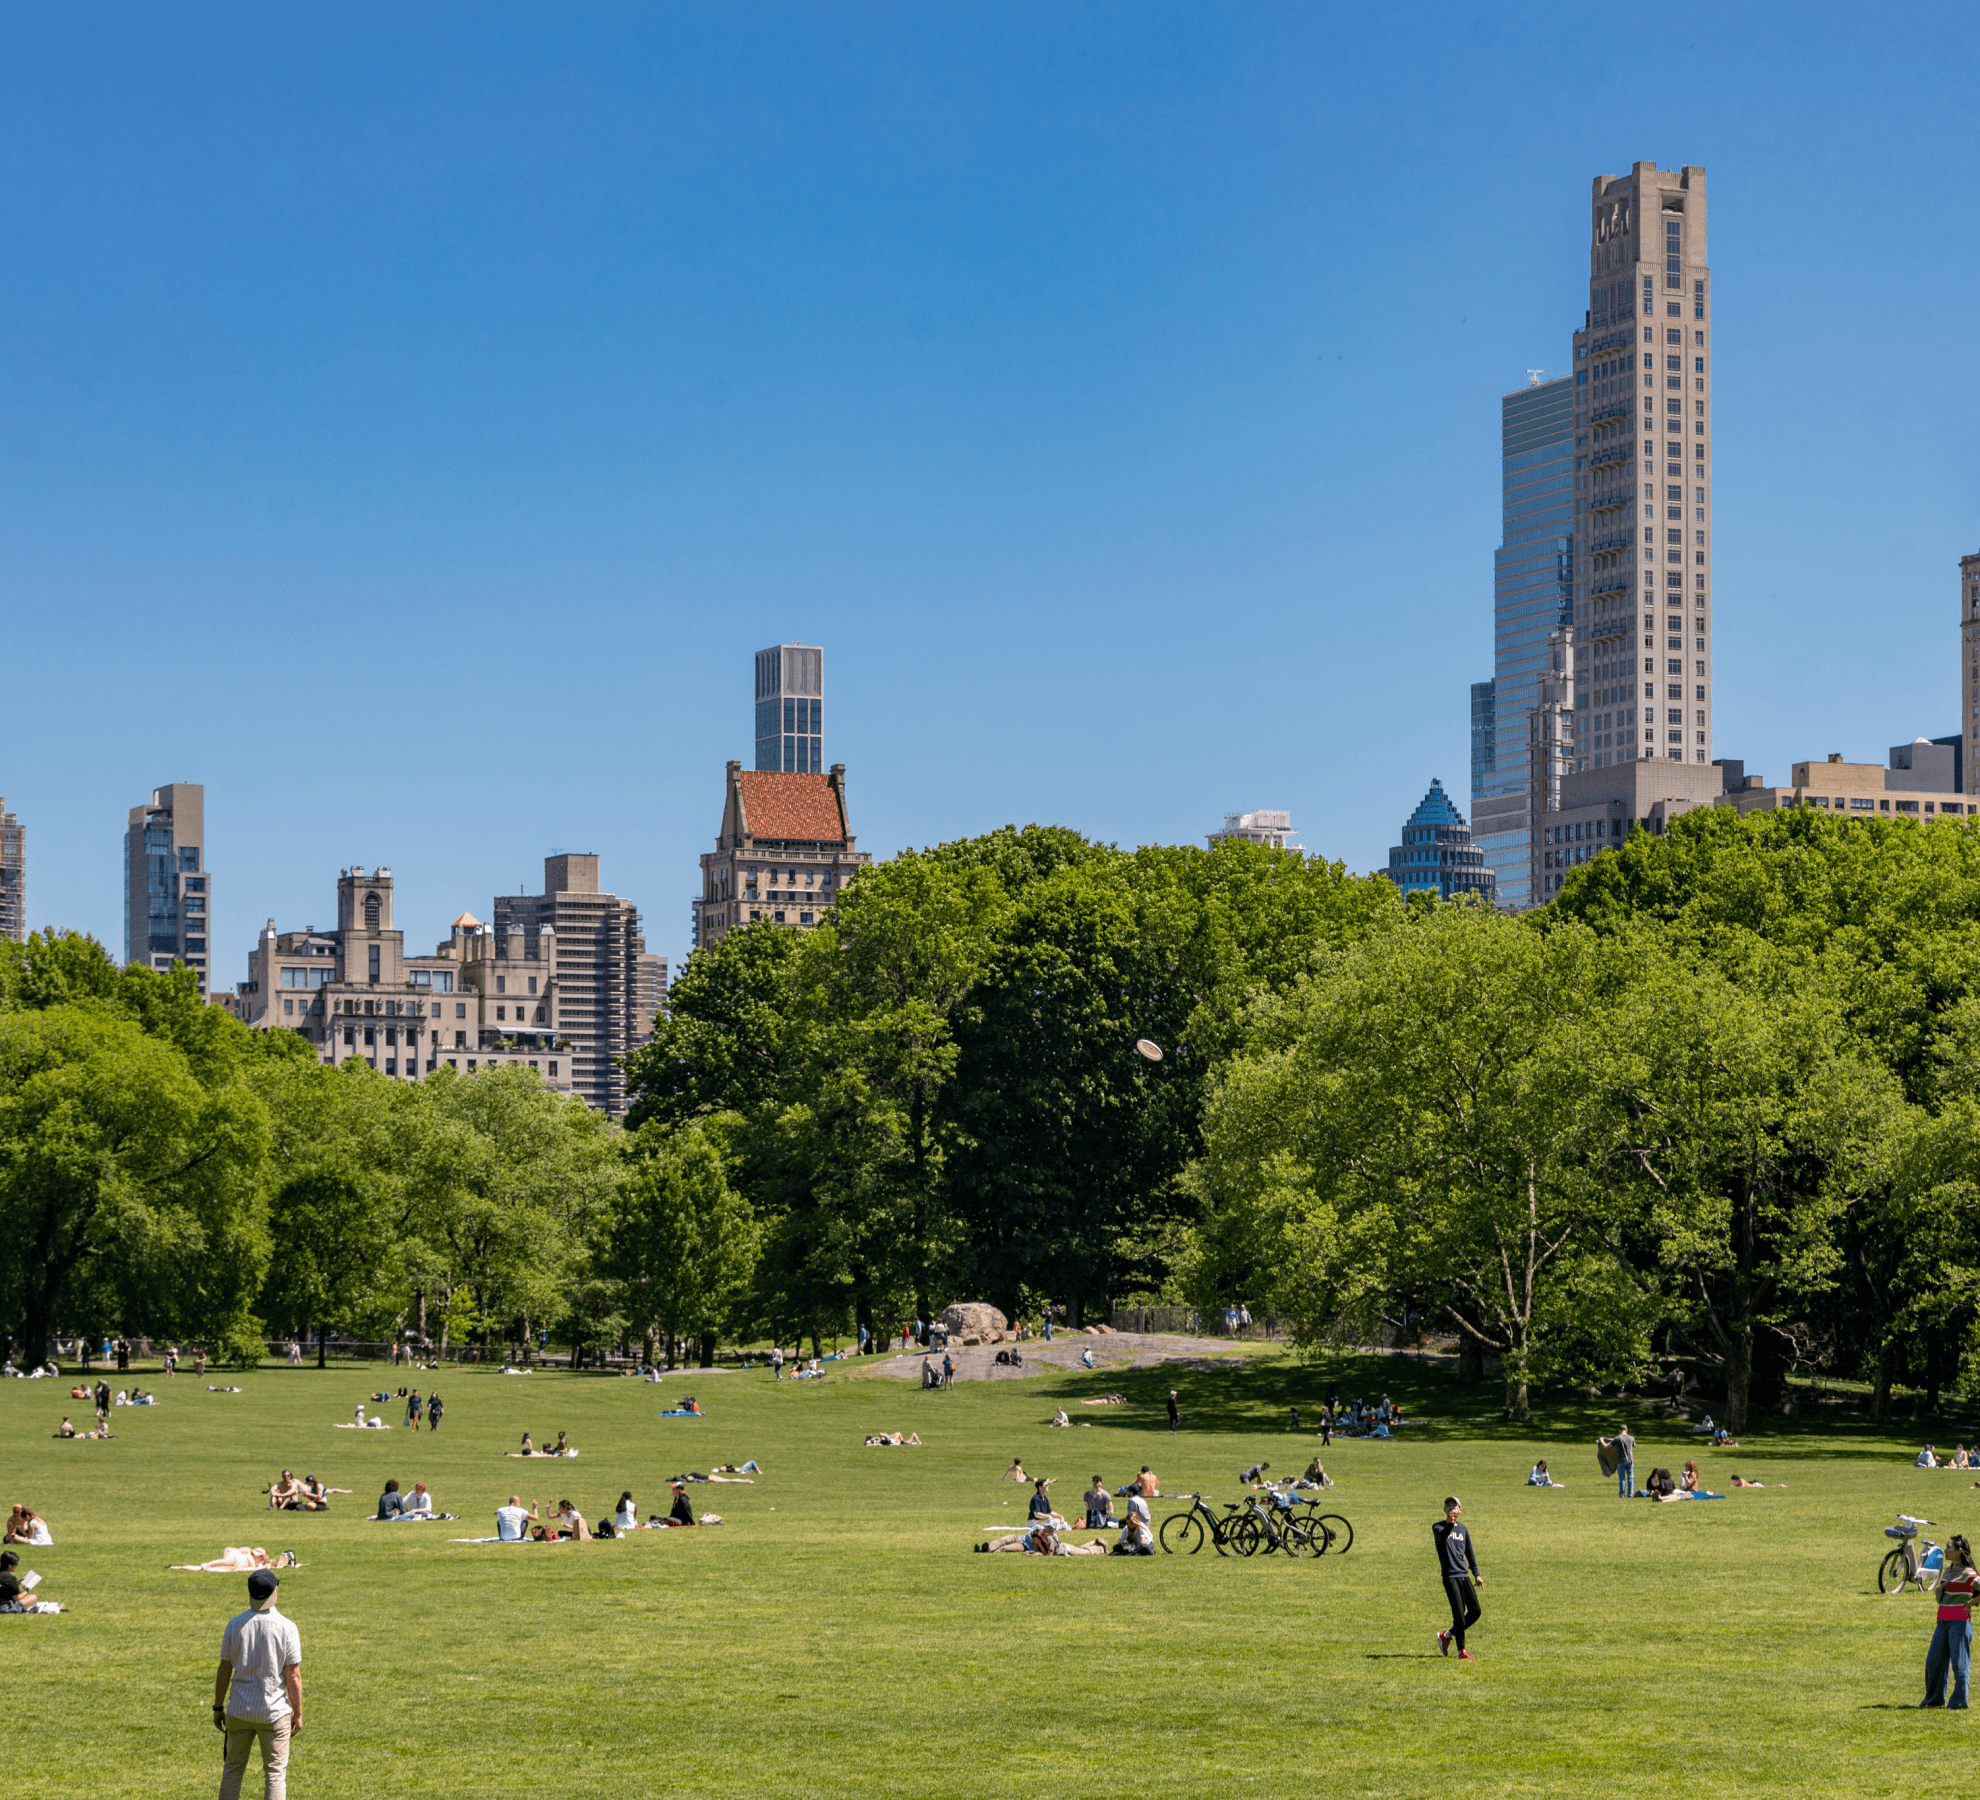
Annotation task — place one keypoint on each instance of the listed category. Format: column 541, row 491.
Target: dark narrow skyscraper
column 790, row 709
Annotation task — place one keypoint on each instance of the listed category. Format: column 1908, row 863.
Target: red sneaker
column 1466, row 1656
column 1444, row 1643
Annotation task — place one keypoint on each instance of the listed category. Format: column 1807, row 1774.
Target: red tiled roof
column 791, row 806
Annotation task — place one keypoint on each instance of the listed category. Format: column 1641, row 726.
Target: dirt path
column 1117, row 1350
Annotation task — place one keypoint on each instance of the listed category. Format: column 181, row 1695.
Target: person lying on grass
column 885, row 1439
column 240, row 1559
column 1741, row 1481
column 1106, row 1400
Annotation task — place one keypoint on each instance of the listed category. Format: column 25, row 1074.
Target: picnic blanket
column 1608, row 1456
column 683, row 1415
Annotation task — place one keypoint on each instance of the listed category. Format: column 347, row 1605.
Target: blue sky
column 413, row 418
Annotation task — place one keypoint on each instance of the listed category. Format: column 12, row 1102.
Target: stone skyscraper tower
column 1643, row 474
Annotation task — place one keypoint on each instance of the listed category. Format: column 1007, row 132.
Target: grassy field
column 836, row 1636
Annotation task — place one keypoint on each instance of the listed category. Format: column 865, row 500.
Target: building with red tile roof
column 785, row 853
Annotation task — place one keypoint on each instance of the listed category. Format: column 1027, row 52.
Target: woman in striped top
column 1952, row 1640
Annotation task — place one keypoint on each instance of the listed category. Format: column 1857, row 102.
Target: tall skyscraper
column 1532, row 595
column 1643, row 485
column 1969, row 671
column 167, row 892
column 790, row 709
column 13, row 877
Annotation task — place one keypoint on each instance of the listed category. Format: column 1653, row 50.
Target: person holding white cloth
column 257, row 1690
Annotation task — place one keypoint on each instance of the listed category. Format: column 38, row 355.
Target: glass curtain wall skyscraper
column 790, row 709
column 1532, row 595
column 167, row 901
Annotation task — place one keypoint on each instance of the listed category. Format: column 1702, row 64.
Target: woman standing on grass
column 1952, row 1639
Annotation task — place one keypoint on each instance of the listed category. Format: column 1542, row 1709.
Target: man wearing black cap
column 257, row 1690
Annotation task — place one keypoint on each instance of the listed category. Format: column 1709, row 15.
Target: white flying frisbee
column 1149, row 1049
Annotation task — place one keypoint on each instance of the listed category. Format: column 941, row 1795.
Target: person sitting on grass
column 318, row 1494
column 1926, row 1459
column 563, row 1445
column 25, row 1526
column 1255, row 1475
column 1722, row 1439
column 528, row 1446
column 287, row 1495
column 1147, row 1484
column 390, row 1503
column 625, row 1517
column 1660, row 1486
column 1540, row 1477
column 1099, row 1506
column 67, row 1430
column 681, row 1512
column 1135, row 1540
column 1039, row 1506
column 1016, row 1471
column 570, row 1523
column 1315, row 1477
column 511, row 1522
column 1059, row 1418
column 419, row 1503
column 692, row 1407
column 1688, row 1478
column 15, row 1595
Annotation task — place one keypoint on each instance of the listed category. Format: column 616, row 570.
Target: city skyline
column 1047, row 403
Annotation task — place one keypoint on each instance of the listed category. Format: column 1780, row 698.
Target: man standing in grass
column 1457, row 1562
column 257, row 1690
column 1625, row 1448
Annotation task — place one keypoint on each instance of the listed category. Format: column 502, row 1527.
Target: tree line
column 1716, row 1103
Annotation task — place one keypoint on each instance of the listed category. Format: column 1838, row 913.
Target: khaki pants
column 241, row 1735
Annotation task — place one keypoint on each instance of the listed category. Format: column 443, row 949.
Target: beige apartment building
column 1918, row 783
column 784, row 854
column 1643, row 480
column 354, row 992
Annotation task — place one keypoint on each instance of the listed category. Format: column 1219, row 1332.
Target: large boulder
column 974, row 1320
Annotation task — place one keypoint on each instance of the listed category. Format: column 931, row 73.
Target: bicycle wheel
column 1246, row 1535
column 1182, row 1534
column 1892, row 1574
column 1307, row 1537
column 1340, row 1534
column 1221, row 1533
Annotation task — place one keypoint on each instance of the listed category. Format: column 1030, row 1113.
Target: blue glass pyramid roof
column 1435, row 808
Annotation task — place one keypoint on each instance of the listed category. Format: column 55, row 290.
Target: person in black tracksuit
column 1457, row 1562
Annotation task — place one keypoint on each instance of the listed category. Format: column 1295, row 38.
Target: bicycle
column 1322, row 1531
column 1906, row 1563
column 1184, row 1533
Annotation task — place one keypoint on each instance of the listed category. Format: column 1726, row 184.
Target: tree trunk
column 651, row 1343
column 1739, row 1378
column 1932, row 1371
column 320, row 1351
column 705, row 1342
column 1470, row 1361
column 1880, row 1388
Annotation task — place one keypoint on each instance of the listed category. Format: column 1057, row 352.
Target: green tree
column 682, row 1242
column 127, row 1188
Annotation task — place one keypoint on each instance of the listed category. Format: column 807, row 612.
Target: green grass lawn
column 837, row 1637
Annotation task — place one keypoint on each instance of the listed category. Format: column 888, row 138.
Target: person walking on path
column 1326, row 1426
column 1625, row 1448
column 1952, row 1639
column 1175, row 1414
column 257, row 1690
column 1457, row 1562
column 433, row 1412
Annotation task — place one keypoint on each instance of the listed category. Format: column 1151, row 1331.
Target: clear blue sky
column 414, row 417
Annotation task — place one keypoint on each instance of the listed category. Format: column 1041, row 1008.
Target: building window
column 374, row 962
column 460, row 1040
column 371, row 912
column 532, row 984
column 370, row 1035
column 460, row 1009
column 288, row 1006
column 391, row 1065
column 501, row 984
column 501, row 1012
column 553, row 1069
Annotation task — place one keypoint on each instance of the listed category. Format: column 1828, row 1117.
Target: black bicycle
column 1185, row 1533
column 1318, row 1531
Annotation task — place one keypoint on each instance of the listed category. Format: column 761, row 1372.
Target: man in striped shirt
column 1952, row 1639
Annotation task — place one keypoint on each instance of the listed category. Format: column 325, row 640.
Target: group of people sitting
column 1961, row 1458
column 394, row 1505
column 9, row 1373
column 881, row 1440
column 1716, row 1435
column 67, row 1429
column 1043, row 1533
column 562, row 1447
column 1661, row 1485
column 307, row 1495
column 514, row 1524
column 26, row 1526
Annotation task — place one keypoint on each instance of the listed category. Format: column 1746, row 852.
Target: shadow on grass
column 1257, row 1399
